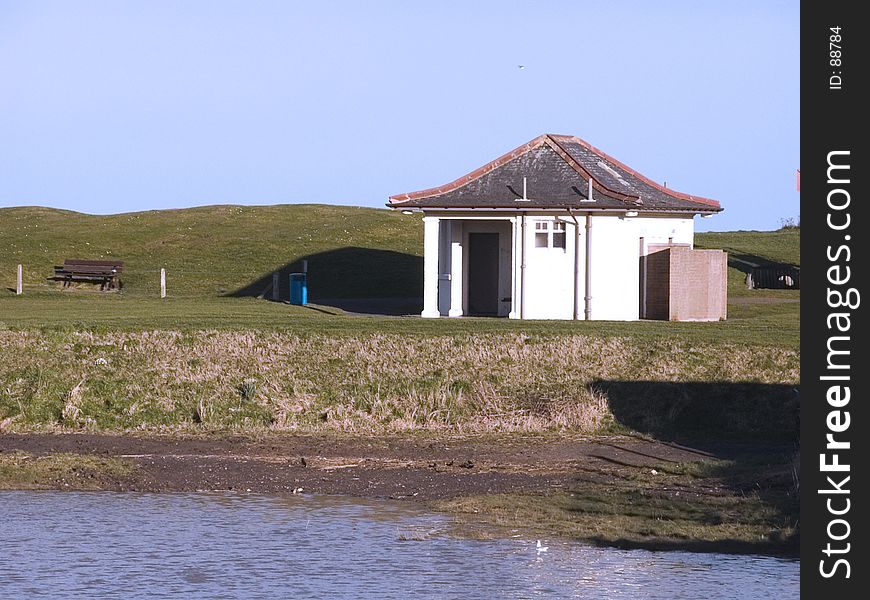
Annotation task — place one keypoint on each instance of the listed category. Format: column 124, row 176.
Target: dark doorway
column 483, row 274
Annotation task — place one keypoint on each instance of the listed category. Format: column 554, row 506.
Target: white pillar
column 444, row 239
column 430, row 267
column 455, row 269
column 587, row 311
column 515, row 269
column 19, row 284
column 162, row 283
column 522, row 251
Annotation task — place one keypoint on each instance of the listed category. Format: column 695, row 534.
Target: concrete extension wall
column 686, row 285
column 655, row 269
column 699, row 285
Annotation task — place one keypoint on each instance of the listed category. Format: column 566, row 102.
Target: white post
column 19, row 288
column 642, row 309
column 455, row 269
column 275, row 295
column 431, row 227
column 162, row 283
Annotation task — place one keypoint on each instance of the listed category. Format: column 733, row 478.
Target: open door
column 483, row 274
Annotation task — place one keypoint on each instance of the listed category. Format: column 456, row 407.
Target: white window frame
column 542, row 228
column 550, row 229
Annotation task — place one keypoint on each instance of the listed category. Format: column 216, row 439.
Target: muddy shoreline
column 620, row 490
column 422, row 469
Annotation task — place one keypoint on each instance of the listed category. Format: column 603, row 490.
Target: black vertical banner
column 834, row 393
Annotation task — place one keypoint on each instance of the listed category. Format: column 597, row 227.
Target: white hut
column 557, row 229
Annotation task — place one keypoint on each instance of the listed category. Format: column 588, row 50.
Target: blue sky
column 120, row 106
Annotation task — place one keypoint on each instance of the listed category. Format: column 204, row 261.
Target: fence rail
column 774, row 278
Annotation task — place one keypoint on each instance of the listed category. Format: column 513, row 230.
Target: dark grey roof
column 557, row 171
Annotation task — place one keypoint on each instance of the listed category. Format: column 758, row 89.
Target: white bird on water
column 542, row 548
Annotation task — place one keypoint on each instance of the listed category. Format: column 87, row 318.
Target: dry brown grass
column 367, row 383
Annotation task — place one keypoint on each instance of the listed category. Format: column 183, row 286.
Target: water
column 129, row 545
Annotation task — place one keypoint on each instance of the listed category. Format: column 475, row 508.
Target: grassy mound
column 223, row 250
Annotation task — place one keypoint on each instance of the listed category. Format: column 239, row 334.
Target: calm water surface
column 113, row 545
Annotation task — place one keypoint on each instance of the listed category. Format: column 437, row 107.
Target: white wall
column 616, row 252
column 549, row 279
column 615, row 266
column 659, row 230
column 618, row 242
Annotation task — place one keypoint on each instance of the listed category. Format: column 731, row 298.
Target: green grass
column 766, row 324
column 756, row 247
column 22, row 471
column 215, row 250
column 782, row 246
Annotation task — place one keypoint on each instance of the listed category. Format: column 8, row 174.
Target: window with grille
column 550, row 234
column 542, row 234
column 559, row 234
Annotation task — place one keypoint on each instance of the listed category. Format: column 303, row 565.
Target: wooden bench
column 104, row 272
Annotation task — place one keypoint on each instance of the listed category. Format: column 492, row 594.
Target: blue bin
column 299, row 288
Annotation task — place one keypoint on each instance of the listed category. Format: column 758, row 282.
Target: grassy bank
column 748, row 248
column 206, row 380
column 23, row 471
column 714, row 505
